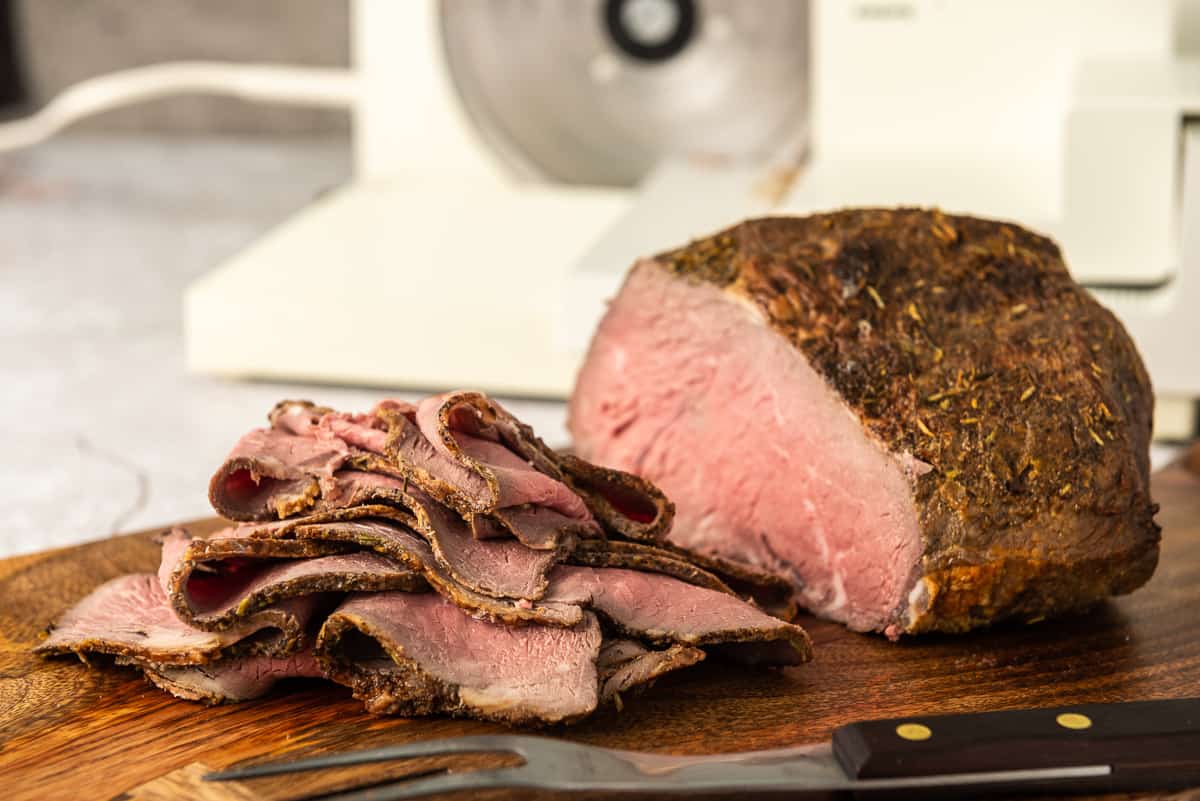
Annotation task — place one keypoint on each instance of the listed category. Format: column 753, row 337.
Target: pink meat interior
column 686, row 385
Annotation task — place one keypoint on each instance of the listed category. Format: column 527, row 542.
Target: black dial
column 651, row 30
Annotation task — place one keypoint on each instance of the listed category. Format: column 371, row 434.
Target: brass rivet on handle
column 914, row 731
column 1073, row 720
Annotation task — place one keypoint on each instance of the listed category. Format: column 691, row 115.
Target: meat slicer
column 514, row 157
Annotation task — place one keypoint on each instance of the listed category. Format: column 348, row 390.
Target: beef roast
column 920, row 419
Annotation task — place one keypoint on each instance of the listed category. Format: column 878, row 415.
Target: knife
column 1097, row 747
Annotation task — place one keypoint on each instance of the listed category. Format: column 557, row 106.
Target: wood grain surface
column 68, row 730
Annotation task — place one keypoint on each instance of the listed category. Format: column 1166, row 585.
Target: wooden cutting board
column 70, row 731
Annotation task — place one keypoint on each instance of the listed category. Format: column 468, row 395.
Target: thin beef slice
column 221, row 580
column 131, row 617
column 419, row 654
column 229, row 680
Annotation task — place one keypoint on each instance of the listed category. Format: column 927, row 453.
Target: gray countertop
column 101, row 428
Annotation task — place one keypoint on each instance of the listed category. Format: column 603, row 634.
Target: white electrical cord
column 300, row 86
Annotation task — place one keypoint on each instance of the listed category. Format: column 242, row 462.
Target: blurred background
column 103, row 427
column 209, row 205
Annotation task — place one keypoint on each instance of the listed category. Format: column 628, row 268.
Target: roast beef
column 482, row 436
column 436, row 558
column 503, row 568
column 660, row 609
column 130, row 616
column 769, row 590
column 627, row 665
column 418, row 654
column 221, row 580
column 462, row 449
column 402, row 545
column 237, row 678
column 920, row 419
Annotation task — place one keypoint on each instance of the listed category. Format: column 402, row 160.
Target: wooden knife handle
column 1146, row 743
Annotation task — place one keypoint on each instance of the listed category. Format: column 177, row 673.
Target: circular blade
column 598, row 92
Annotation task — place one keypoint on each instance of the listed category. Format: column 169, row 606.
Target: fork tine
column 455, row 745
column 441, row 783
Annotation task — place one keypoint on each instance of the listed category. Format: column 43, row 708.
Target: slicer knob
column 651, row 30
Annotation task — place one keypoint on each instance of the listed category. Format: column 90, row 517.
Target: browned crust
column 617, row 681
column 588, row 480
column 788, row 634
column 637, row 556
column 302, row 497
column 955, row 593
column 965, row 343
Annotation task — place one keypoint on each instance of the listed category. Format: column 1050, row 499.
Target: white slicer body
column 450, row 260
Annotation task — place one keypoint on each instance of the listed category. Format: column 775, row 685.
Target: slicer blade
column 598, row 92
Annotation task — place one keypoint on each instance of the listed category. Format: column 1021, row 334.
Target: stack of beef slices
column 435, row 558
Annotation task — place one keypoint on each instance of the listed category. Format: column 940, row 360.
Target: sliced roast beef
column 625, row 504
column 415, row 553
column 272, row 473
column 130, row 617
column 220, row 581
column 454, row 496
column 462, row 449
column 389, row 531
column 237, row 678
column 481, row 435
column 919, row 418
column 661, row 609
column 482, row 481
column 626, row 665
column 770, row 591
column 534, row 526
column 512, row 466
column 503, row 568
column 639, row 556
column 418, row 654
